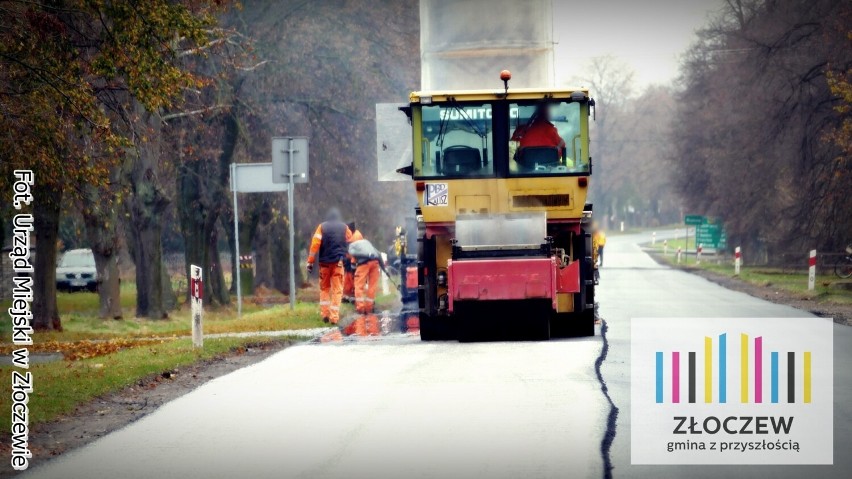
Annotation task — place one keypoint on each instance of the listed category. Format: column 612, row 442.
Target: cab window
column 456, row 141
column 545, row 139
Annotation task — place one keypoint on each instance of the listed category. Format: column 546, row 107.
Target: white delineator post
column 622, row 226
column 196, row 290
column 679, row 250
column 653, row 238
column 738, row 259
column 665, row 247
column 812, row 270
column 698, row 253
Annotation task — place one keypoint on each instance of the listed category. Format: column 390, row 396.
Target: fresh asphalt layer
column 375, row 409
column 396, row 407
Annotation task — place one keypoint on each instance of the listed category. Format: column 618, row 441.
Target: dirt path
column 111, row 412
column 840, row 313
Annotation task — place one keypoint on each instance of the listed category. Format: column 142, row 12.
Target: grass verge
column 795, row 283
column 62, row 385
column 79, row 320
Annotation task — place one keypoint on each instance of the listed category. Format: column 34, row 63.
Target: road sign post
column 693, row 220
column 249, row 178
column 196, row 290
column 290, row 163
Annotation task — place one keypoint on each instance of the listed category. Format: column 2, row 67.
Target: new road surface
column 396, row 407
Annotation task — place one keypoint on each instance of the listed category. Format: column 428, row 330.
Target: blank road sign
column 254, row 178
column 281, row 147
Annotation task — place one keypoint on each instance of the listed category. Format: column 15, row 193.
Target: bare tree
column 611, row 83
column 753, row 121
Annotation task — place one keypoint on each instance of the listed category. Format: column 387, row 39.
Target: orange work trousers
column 331, row 290
column 366, row 281
column 349, row 285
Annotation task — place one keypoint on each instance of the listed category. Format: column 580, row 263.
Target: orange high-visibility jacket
column 330, row 242
column 356, row 236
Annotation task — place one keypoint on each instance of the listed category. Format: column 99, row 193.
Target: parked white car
column 76, row 271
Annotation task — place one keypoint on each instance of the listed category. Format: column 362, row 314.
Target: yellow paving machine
column 503, row 227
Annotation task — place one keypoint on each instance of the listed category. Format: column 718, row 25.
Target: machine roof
column 497, row 94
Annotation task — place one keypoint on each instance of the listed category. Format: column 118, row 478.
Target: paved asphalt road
column 634, row 285
column 396, row 407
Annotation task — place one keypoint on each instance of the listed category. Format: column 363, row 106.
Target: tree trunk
column 262, row 243
column 218, row 290
column 201, row 186
column 228, row 225
column 168, row 293
column 192, row 218
column 280, row 257
column 46, row 225
column 147, row 201
column 109, row 285
column 101, row 221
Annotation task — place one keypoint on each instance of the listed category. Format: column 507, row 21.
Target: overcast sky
column 649, row 35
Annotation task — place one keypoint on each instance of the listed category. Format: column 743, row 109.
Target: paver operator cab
column 504, row 230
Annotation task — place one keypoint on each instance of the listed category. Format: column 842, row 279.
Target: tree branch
column 172, row 116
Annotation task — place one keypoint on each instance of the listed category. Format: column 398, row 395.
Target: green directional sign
column 694, row 220
column 711, row 236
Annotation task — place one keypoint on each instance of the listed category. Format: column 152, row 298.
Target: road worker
column 328, row 248
column 539, row 131
column 367, row 274
column 349, row 269
column 598, row 243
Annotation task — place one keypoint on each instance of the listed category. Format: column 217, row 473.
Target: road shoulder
column 840, row 313
column 111, row 412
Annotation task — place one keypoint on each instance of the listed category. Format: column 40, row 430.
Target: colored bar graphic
column 692, row 376
column 791, row 377
column 774, row 376
column 723, row 368
column 659, row 377
column 746, row 372
column 675, row 377
column 758, row 369
column 708, row 369
column 807, row 384
column 743, row 368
